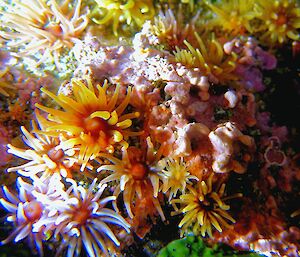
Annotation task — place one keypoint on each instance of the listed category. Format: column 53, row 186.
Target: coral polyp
column 24, row 211
column 280, row 21
column 91, row 121
column 130, row 11
column 81, row 218
column 171, row 30
column 45, row 157
column 209, row 57
column 203, row 208
column 39, row 25
column 175, row 176
column 234, row 16
column 136, row 177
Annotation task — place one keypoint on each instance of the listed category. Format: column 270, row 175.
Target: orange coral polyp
column 56, row 155
column 91, row 120
column 33, row 210
column 55, row 29
column 138, row 171
column 136, row 175
column 281, row 20
column 93, row 125
column 82, row 214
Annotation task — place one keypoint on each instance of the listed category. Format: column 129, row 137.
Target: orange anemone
column 91, row 121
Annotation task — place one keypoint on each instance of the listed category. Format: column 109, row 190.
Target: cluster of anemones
column 76, row 216
column 192, row 47
column 30, row 26
column 91, row 128
column 59, row 146
column 141, row 175
column 273, row 22
column 91, row 123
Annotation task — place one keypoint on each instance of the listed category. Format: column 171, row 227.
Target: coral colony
column 122, row 117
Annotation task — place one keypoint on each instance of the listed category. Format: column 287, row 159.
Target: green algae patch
column 194, row 247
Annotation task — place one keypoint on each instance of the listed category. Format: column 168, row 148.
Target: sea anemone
column 233, row 16
column 135, row 172
column 33, row 25
column 204, row 207
column 171, row 30
column 44, row 156
column 91, row 121
column 81, row 217
column 210, row 58
column 25, row 210
column 128, row 11
column 175, row 176
column 280, row 21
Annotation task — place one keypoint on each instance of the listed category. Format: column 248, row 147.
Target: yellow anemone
column 175, row 176
column 233, row 16
column 204, row 207
column 210, row 58
column 280, row 21
column 128, row 12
